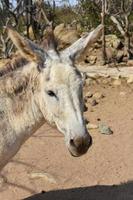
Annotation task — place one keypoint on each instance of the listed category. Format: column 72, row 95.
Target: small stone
column 98, row 95
column 130, row 80
column 105, row 81
column 88, row 81
column 104, row 129
column 122, row 94
column 92, row 126
column 117, row 82
column 46, row 176
column 93, row 102
column 92, row 60
column 130, row 63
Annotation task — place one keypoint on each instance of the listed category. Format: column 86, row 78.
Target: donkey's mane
column 16, row 62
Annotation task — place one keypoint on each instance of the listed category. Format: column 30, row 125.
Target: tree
column 120, row 12
column 103, row 32
column 89, row 13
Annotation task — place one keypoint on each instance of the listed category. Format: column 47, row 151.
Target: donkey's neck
column 16, row 129
column 20, row 117
column 28, row 121
column 24, row 113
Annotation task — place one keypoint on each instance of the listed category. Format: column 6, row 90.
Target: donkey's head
column 59, row 95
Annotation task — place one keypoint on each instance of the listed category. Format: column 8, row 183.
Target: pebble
column 122, row 94
column 92, row 126
column 46, row 176
column 130, row 80
column 117, row 82
column 98, row 95
column 88, row 81
column 104, row 129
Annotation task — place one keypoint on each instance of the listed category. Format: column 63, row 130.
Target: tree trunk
column 127, row 38
column 119, row 27
column 28, row 5
column 125, row 33
column 103, row 33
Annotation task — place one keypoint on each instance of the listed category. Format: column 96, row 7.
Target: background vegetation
column 25, row 15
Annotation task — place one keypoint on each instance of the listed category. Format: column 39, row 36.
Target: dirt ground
column 105, row 172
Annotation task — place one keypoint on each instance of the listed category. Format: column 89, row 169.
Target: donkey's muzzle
column 80, row 145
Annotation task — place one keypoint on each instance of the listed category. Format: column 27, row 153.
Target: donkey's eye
column 51, row 93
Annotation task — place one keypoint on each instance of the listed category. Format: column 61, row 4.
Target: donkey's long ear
column 27, row 48
column 79, row 46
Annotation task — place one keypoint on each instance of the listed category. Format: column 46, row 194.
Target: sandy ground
column 104, row 173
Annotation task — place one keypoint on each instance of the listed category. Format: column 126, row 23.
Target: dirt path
column 90, row 177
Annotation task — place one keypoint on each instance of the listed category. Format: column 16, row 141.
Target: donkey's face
column 60, row 94
column 63, row 100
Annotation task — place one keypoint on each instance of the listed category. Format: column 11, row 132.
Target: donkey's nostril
column 72, row 142
column 77, row 142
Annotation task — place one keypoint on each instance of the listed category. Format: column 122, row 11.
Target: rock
column 86, row 60
column 91, row 59
column 122, row 94
column 65, row 35
column 130, row 80
column 91, row 110
column 113, row 41
column 130, row 63
column 59, row 29
column 46, row 176
column 93, row 102
column 105, row 81
column 104, row 129
column 92, row 126
column 88, row 81
column 117, row 82
column 98, row 95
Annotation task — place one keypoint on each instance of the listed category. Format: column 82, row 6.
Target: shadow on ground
column 116, row 192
